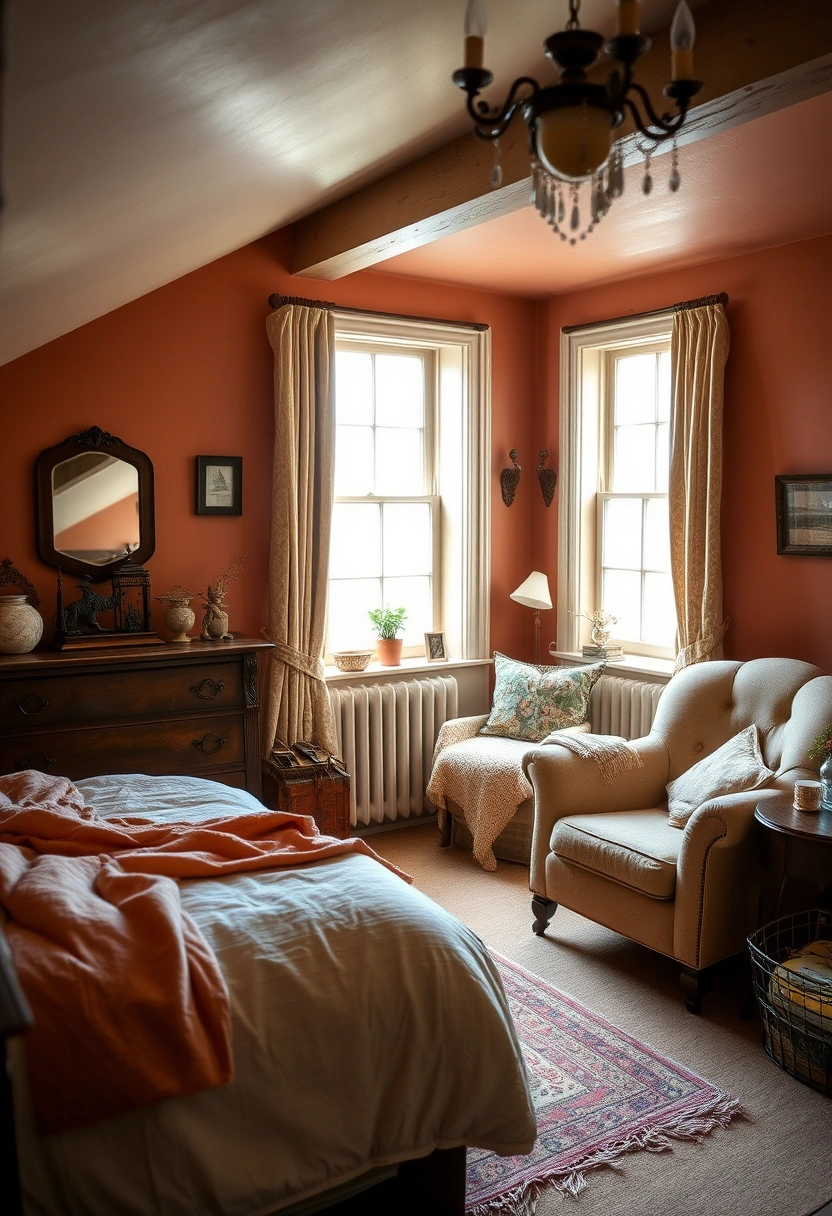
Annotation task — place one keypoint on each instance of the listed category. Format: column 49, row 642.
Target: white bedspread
column 369, row 1026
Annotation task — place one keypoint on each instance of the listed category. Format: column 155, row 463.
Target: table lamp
column 534, row 593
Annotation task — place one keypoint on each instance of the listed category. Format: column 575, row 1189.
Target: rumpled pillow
column 530, row 701
column 736, row 766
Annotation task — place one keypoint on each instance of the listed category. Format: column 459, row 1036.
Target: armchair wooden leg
column 544, row 910
column 694, row 984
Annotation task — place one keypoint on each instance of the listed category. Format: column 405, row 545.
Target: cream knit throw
column 482, row 774
column 611, row 753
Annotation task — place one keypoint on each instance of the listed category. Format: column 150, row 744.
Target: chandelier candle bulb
column 628, row 17
column 476, row 25
column 682, row 34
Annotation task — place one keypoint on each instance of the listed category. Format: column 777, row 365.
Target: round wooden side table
column 788, row 832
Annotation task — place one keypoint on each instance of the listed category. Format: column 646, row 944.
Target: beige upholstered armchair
column 609, row 852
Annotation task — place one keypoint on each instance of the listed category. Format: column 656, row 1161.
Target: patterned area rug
column 598, row 1093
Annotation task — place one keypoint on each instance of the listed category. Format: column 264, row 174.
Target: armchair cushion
column 636, row 848
column 736, row 766
column 530, row 701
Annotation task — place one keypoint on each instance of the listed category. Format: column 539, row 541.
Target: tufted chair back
column 706, row 704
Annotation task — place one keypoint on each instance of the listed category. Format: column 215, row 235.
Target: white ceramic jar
column 21, row 625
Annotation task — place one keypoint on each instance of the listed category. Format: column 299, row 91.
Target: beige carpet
column 779, row 1163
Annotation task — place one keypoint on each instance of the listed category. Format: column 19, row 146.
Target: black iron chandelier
column 572, row 123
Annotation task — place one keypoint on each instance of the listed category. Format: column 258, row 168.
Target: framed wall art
column 804, row 514
column 219, row 485
column 435, row 648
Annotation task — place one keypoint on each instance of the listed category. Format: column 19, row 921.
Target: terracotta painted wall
column 778, row 419
column 187, row 369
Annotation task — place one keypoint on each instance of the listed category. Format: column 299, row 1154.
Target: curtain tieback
column 304, row 663
column 699, row 650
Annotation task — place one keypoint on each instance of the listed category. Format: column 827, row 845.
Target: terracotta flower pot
column 390, row 652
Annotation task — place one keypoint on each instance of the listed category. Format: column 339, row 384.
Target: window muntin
column 633, row 577
column 385, row 524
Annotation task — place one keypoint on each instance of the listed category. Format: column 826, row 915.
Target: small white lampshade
column 534, row 593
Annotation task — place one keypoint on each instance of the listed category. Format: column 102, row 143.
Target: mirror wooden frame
column 93, row 439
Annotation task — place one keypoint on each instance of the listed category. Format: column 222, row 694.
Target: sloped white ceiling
column 145, row 138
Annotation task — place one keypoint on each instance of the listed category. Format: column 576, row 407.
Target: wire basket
column 796, row 1011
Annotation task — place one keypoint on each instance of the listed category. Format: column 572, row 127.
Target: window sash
column 586, row 439
column 631, row 645
column 429, row 359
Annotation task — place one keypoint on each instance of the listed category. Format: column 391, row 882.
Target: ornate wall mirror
column 95, row 505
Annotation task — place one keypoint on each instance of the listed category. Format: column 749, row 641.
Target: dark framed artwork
column 435, row 648
column 804, row 514
column 219, row 485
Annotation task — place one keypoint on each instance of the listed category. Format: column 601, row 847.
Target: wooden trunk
column 307, row 788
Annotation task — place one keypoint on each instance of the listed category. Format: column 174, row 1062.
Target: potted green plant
column 387, row 622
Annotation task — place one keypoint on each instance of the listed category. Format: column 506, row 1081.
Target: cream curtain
column 297, row 704
column 699, row 350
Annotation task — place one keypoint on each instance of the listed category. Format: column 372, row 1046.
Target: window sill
column 407, row 667
column 634, row 666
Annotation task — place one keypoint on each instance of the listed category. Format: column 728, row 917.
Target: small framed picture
column 435, row 648
column 219, row 485
column 804, row 514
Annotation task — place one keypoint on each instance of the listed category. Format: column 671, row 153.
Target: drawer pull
column 37, row 760
column 31, row 704
column 208, row 689
column 209, row 743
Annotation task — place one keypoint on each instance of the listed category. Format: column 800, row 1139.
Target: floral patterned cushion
column 530, row 702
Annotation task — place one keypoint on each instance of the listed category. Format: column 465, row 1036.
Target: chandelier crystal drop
column 577, row 164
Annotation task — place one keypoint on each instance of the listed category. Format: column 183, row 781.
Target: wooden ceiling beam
column 757, row 56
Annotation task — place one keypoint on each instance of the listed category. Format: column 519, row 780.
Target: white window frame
column 462, row 465
column 584, row 465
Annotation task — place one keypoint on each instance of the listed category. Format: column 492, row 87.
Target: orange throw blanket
column 129, row 1002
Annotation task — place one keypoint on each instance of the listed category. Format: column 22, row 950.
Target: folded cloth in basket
column 128, row 1000
column 803, row 984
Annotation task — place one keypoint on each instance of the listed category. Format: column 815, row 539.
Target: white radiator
column 386, row 735
column 623, row 707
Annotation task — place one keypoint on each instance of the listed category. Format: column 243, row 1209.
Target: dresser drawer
column 196, row 747
column 52, row 700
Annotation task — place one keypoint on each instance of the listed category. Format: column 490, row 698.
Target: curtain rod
column 278, row 301
column 702, row 302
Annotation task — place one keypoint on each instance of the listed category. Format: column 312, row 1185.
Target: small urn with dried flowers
column 215, row 618
column 821, row 750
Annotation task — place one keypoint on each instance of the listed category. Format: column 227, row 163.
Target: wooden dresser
column 187, row 710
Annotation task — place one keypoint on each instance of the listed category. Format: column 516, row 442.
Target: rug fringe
column 716, row 1111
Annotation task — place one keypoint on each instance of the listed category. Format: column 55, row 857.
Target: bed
column 369, row 1029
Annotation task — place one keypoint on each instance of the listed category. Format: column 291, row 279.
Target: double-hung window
column 633, row 551
column 385, row 546
column 614, row 540
column 411, row 517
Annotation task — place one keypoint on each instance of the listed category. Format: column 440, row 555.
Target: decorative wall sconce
column 509, row 478
column 547, row 478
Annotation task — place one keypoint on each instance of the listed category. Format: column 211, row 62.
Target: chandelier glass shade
column 573, row 123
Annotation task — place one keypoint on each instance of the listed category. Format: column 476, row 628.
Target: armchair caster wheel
column 544, row 910
column 694, row 985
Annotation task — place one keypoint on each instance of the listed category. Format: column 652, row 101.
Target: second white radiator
column 385, row 735
column 623, row 707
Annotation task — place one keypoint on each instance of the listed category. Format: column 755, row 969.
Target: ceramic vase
column 826, row 783
column 390, row 652
column 21, row 625
column 179, row 616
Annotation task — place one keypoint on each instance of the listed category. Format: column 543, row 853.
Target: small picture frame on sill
column 435, row 648
column 219, row 485
column 804, row 514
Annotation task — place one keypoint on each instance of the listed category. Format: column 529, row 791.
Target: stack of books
column 611, row 652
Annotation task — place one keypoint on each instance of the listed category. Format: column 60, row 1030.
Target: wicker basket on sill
column 352, row 660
